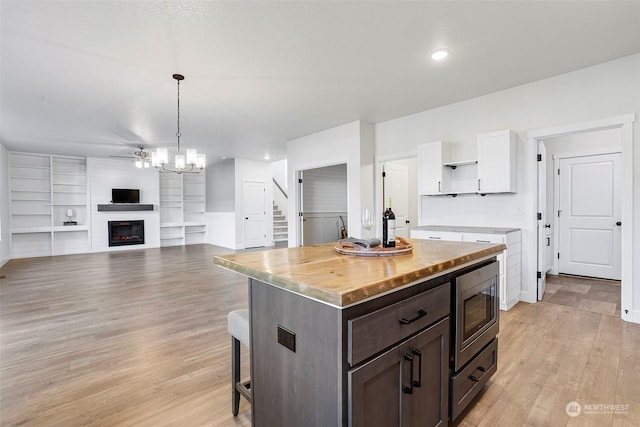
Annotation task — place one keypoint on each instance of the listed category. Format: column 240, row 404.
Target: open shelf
column 43, row 188
column 454, row 165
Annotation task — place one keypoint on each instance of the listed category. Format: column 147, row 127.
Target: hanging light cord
column 178, row 132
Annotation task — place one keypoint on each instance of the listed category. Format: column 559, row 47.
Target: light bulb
column 201, row 161
column 192, row 154
column 180, row 161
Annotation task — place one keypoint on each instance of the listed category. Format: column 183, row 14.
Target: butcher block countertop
column 320, row 273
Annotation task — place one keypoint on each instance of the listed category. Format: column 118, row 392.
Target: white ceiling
column 94, row 77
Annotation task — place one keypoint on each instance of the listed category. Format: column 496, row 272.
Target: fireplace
column 126, row 233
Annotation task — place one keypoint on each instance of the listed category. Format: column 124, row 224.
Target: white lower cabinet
column 510, row 260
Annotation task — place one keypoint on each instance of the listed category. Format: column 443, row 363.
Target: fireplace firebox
column 123, row 233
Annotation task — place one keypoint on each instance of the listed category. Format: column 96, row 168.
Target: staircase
column 280, row 226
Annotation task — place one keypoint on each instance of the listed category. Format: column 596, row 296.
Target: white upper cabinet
column 497, row 154
column 433, row 177
column 489, row 166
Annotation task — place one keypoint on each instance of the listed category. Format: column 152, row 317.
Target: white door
column 396, row 187
column 253, row 197
column 589, row 217
column 544, row 239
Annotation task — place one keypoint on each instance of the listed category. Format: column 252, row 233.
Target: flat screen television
column 125, row 195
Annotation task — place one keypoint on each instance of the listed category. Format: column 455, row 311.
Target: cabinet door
column 433, row 178
column 404, row 386
column 497, row 153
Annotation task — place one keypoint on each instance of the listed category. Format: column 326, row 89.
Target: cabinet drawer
column 436, row 235
column 483, row 238
column 469, row 381
column 373, row 332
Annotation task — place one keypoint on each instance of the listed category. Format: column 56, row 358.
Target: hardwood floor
column 139, row 338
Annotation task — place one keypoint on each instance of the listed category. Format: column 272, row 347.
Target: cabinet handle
column 435, row 238
column 477, row 379
column 439, row 190
column 548, row 241
column 483, row 241
column 405, row 389
column 421, row 313
column 478, row 184
column 418, row 353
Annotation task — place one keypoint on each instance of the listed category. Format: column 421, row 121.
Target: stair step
column 277, row 212
column 279, row 218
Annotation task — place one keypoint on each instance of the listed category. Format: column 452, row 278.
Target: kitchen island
column 347, row 340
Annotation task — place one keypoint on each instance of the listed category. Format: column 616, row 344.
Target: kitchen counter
column 320, row 273
column 461, row 229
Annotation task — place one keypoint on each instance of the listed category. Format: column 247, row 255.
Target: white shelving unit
column 43, row 188
column 182, row 207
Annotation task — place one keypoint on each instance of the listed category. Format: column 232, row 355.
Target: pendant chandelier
column 191, row 163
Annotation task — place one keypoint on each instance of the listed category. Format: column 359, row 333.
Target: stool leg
column 235, row 374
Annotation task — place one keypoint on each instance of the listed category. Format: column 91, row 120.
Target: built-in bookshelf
column 46, row 192
column 182, row 207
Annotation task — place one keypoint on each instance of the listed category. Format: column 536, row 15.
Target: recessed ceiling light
column 267, row 157
column 440, row 54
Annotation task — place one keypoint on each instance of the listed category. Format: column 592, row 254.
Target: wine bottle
column 389, row 227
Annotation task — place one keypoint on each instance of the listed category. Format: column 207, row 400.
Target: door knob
column 618, row 223
column 246, row 217
column 547, row 226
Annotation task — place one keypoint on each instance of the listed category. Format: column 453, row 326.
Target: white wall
column 105, row 174
column 221, row 186
column 250, row 170
column 353, row 144
column 5, row 249
column 221, row 229
column 593, row 93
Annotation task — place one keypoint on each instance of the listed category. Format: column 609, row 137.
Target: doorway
column 323, row 210
column 623, row 127
column 398, row 182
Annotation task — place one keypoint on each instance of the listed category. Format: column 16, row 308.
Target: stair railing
column 280, row 188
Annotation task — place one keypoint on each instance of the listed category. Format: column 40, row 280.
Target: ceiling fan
column 142, row 158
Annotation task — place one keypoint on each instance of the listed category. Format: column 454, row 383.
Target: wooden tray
column 347, row 248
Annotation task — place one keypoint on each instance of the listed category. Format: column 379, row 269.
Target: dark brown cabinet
column 406, row 385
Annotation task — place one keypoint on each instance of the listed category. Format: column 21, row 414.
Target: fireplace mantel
column 123, row 207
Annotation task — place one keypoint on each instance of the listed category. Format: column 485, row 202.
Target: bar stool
column 238, row 326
